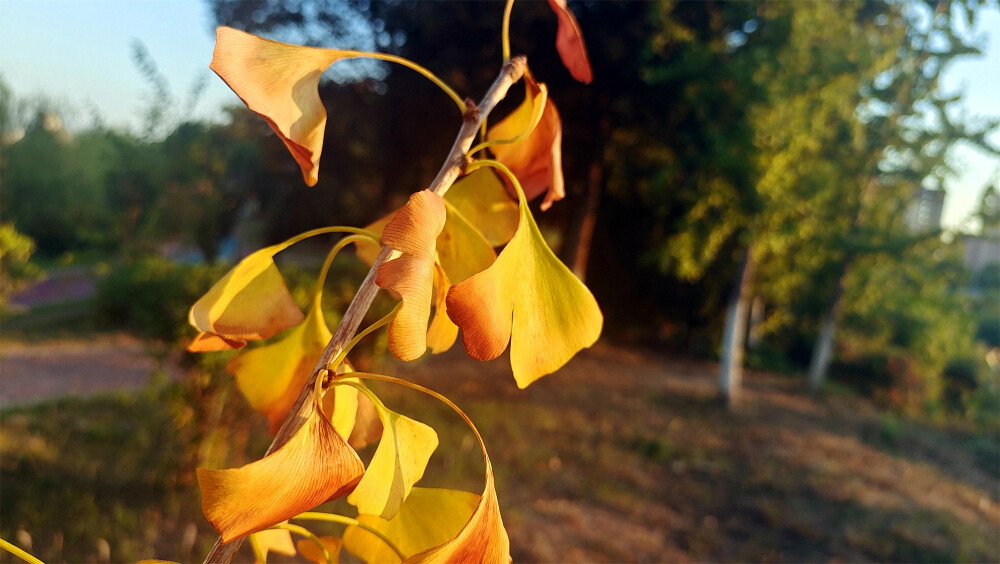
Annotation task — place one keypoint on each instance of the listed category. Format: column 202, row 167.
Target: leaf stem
column 332, row 366
column 413, row 66
column 334, row 518
column 321, row 279
column 332, row 229
column 19, row 552
column 505, row 31
column 443, row 399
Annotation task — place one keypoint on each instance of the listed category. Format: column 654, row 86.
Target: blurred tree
column 16, row 271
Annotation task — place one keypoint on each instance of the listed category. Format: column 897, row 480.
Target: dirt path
column 35, row 372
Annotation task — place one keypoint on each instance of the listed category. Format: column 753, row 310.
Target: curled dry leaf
column 251, row 302
column 536, row 159
column 315, row 465
column 280, row 83
column 412, row 231
column 529, row 298
column 569, row 43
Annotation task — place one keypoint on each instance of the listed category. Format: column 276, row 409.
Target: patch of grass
column 81, row 476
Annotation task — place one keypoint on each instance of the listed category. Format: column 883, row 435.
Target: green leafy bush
column 15, row 269
column 150, row 297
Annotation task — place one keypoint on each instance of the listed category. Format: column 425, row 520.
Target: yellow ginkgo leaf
column 351, row 412
column 569, row 43
column 429, row 517
column 482, row 539
column 413, row 231
column 250, row 302
column 280, row 83
column 398, row 463
column 315, row 465
column 553, row 315
column 271, row 377
column 442, row 332
column 311, row 552
column 278, row 541
column 536, row 159
column 482, row 200
column 462, row 249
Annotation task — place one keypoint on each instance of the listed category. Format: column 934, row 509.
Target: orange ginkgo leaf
column 536, row 159
column 250, row 302
column 312, row 553
column 412, row 231
column 280, row 83
column 569, row 43
column 529, row 298
column 314, row 466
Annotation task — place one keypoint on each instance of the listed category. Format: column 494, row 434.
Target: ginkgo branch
column 453, row 166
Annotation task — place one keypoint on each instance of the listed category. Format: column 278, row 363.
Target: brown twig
column 348, row 327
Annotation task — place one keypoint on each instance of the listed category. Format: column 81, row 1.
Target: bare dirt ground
column 626, row 456
column 35, row 372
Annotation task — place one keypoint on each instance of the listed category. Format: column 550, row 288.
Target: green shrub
column 15, row 270
column 150, row 298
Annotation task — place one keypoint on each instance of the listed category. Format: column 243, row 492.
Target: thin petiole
column 413, row 66
column 333, row 364
column 321, row 280
column 333, row 518
column 505, row 33
column 19, row 552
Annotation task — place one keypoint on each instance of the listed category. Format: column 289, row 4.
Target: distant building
column 984, row 249
column 924, row 212
column 980, row 251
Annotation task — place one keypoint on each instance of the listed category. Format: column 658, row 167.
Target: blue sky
column 78, row 52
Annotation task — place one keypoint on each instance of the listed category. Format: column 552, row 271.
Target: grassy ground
column 622, row 456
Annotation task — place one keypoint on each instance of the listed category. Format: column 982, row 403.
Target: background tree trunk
column 577, row 249
column 734, row 334
column 822, row 355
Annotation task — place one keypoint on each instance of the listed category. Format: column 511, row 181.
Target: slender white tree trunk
column 822, row 355
column 734, row 334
